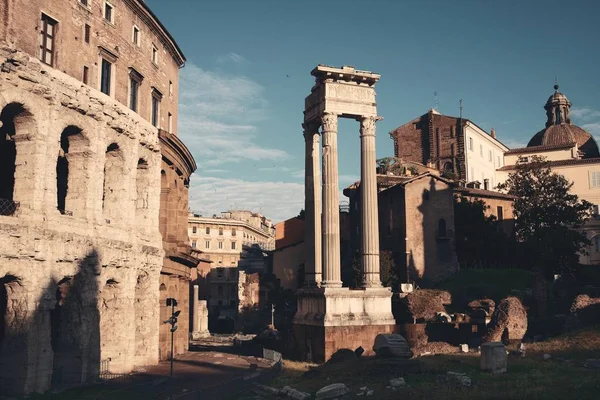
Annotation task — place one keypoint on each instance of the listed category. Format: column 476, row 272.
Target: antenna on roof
column 435, row 101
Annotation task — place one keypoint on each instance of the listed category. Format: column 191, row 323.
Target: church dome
column 559, row 129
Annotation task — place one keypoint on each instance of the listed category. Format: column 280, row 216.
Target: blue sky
column 248, row 71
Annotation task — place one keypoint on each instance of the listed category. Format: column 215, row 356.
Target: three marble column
column 322, row 224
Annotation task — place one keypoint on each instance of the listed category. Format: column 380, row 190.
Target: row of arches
column 79, row 322
column 73, row 169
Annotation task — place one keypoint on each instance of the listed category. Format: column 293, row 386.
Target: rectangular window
column 500, row 213
column 481, row 150
column 194, row 229
column 86, row 33
column 133, row 93
column 232, row 245
column 471, row 143
column 154, row 55
column 170, row 88
column 170, row 122
column 105, row 80
column 84, row 2
column 220, row 231
column 86, row 73
column 220, row 245
column 194, row 244
column 156, row 97
column 499, row 162
column 594, row 179
column 233, row 232
column 47, row 36
column 136, row 36
column 489, row 155
column 207, row 244
column 208, row 230
column 108, row 12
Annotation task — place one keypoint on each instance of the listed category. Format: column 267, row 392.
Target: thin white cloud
column 593, row 128
column 231, row 57
column 585, row 113
column 276, row 200
column 513, row 143
column 219, row 116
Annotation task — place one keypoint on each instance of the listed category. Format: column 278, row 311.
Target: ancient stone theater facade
column 84, row 87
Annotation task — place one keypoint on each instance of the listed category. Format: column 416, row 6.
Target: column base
column 330, row 319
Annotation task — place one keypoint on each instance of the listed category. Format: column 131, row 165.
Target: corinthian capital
column 329, row 122
column 367, row 125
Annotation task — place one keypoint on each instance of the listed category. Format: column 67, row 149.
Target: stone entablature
column 80, row 259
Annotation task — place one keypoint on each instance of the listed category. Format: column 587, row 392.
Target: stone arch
column 71, row 182
column 14, row 318
column 18, row 124
column 448, row 166
column 114, row 187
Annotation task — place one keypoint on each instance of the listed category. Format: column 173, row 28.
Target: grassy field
column 561, row 377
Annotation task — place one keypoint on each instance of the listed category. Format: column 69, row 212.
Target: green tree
column 547, row 217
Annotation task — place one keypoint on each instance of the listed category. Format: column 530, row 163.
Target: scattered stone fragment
column 332, row 391
column 464, row 348
column 444, row 317
column 391, row 345
column 370, row 392
column 592, row 364
column 397, row 382
column 454, row 378
column 510, row 317
column 547, row 356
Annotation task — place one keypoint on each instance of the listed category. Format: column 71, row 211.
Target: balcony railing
column 8, row 207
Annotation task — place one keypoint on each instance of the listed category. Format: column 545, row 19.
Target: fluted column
column 368, row 200
column 331, row 202
column 312, row 206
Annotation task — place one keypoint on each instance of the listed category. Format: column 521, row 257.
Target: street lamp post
column 173, row 322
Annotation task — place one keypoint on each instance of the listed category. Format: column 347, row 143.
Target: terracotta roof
column 566, row 133
column 483, row 193
column 534, row 149
column 558, row 163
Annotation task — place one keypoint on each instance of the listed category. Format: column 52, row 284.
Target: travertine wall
column 80, row 288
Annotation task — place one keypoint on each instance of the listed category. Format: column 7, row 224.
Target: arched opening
column 164, row 197
column 65, row 327
column 15, row 119
column 448, row 166
column 113, row 188
column 142, row 183
column 13, row 333
column 70, row 179
column 442, row 228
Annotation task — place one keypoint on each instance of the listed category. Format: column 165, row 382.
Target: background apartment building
column 455, row 146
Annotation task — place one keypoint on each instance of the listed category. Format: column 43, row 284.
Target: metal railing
column 8, row 207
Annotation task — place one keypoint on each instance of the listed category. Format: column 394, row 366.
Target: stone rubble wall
column 111, row 262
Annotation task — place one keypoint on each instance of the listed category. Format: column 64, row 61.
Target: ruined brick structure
column 84, row 87
column 416, row 223
column 432, row 139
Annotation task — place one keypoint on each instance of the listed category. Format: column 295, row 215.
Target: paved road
column 205, row 374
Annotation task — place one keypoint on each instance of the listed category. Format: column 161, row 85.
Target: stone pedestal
column 493, row 357
column 330, row 319
column 200, row 328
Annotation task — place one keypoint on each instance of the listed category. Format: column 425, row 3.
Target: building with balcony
column 85, row 86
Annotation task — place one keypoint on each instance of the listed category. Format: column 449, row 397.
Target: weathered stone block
column 493, row 357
